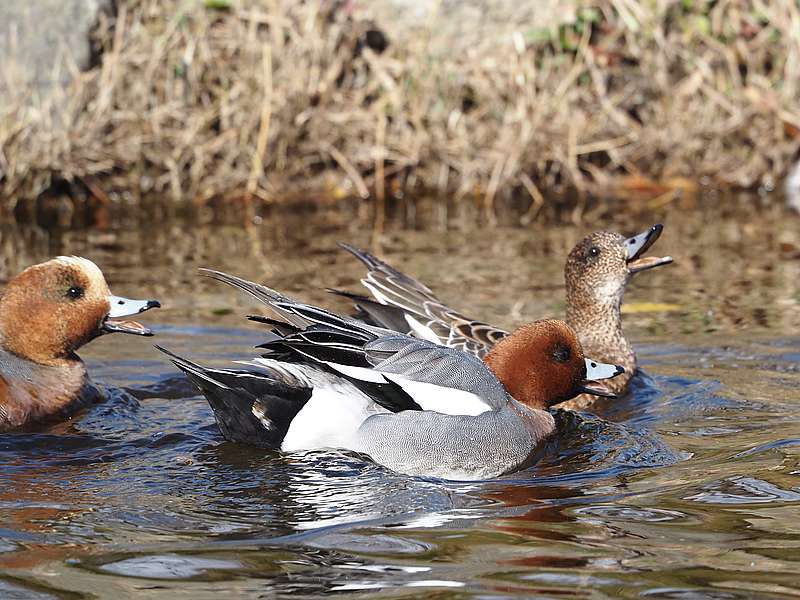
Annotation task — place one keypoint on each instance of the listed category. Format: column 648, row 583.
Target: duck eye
column 594, row 251
column 561, row 354
column 75, row 292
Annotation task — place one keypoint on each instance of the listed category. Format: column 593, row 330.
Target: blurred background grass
column 246, row 101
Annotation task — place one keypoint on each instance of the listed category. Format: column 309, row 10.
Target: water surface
column 687, row 488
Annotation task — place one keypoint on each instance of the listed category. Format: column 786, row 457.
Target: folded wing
column 397, row 371
column 416, row 310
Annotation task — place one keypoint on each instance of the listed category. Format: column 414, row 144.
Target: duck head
column 600, row 265
column 542, row 364
column 51, row 309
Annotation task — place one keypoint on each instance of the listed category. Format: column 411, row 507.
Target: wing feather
column 444, row 379
column 432, row 320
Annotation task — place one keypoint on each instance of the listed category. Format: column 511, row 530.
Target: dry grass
column 268, row 99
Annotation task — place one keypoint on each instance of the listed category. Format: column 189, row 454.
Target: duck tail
column 251, row 407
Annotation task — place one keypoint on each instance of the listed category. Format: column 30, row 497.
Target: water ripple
column 614, row 512
column 745, row 490
column 166, row 566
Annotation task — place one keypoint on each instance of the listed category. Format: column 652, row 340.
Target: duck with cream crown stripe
column 47, row 313
column 412, row 405
column 596, row 272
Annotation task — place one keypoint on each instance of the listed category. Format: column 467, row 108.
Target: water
column 689, row 488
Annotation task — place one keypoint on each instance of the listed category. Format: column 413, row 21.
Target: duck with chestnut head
column 596, row 272
column 412, row 405
column 47, row 313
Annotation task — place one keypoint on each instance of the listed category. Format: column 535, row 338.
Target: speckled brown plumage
column 596, row 273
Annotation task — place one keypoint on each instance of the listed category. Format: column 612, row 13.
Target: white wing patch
column 429, row 396
column 445, row 400
column 361, row 373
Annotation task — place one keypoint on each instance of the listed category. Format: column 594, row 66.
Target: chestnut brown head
column 51, row 309
column 542, row 364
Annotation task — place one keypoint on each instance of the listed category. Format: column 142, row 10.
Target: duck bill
column 596, row 371
column 637, row 245
column 125, row 307
column 596, row 388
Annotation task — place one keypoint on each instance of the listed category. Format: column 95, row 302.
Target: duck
column 596, row 272
column 48, row 312
column 417, row 407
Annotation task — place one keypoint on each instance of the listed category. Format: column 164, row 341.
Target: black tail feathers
column 249, row 406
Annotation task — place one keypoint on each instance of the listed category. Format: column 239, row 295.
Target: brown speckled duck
column 47, row 313
column 596, row 273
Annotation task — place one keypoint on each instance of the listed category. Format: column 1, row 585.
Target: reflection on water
column 688, row 488
column 736, row 269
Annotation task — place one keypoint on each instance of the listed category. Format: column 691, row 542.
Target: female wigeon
column 47, row 312
column 596, row 273
column 411, row 405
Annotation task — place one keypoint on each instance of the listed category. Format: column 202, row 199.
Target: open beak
column 124, row 307
column 596, row 371
column 637, row 245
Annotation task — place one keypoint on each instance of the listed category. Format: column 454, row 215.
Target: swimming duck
column 596, row 273
column 412, row 405
column 47, row 313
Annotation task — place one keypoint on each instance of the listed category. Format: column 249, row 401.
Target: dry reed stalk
column 257, row 168
column 182, row 105
column 380, row 181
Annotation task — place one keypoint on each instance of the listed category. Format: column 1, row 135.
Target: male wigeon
column 412, row 405
column 596, row 272
column 47, row 312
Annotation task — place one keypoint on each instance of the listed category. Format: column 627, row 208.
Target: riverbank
column 238, row 101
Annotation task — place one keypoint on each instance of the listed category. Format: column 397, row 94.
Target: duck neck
column 599, row 330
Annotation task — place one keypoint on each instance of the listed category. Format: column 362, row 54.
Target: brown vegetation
column 202, row 100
